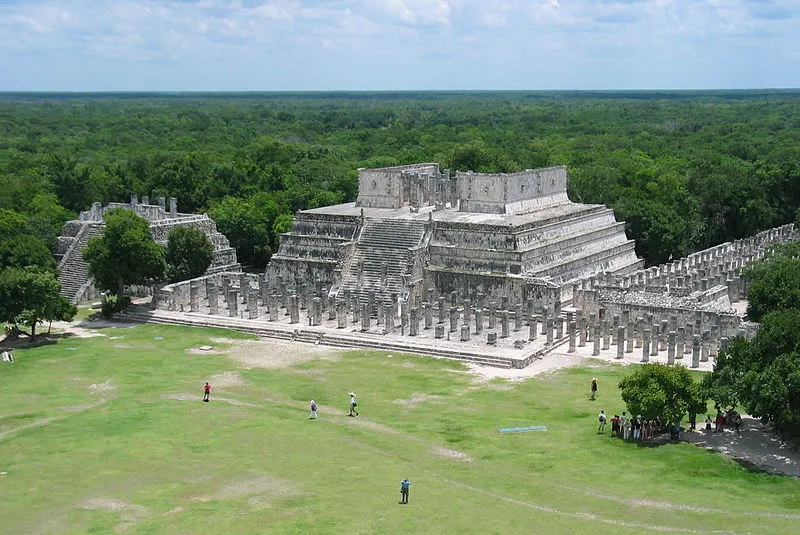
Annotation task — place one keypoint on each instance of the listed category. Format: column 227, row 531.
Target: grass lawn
column 108, row 434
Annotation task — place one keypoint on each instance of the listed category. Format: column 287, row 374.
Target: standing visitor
column 602, row 419
column 207, row 392
column 626, row 427
column 404, row 486
column 594, row 387
column 737, row 423
column 708, row 423
column 313, row 415
column 353, row 405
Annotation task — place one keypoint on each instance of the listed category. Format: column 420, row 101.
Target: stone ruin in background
column 498, row 269
column 73, row 271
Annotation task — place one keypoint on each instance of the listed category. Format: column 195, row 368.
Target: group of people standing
column 352, row 405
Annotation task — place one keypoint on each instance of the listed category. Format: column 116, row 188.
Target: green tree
column 659, row 391
column 774, row 281
column 29, row 297
column 189, row 253
column 763, row 374
column 19, row 247
column 125, row 254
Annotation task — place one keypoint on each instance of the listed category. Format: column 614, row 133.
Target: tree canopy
column 124, row 254
column 659, row 391
column 189, row 253
column 29, row 297
column 774, row 281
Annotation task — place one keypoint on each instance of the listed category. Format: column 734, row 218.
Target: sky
column 283, row 45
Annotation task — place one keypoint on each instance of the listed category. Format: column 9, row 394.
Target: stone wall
column 511, row 193
column 383, row 187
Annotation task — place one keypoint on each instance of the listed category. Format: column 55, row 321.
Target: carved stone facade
column 75, row 281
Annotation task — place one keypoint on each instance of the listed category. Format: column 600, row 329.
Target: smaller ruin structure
column 76, row 284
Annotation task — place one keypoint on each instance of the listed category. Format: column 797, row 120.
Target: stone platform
column 514, row 351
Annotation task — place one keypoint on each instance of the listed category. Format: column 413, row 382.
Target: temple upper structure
column 415, row 230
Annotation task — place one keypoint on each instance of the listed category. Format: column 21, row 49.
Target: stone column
column 532, row 328
column 414, row 322
column 646, row 345
column 294, row 309
column 364, row 314
column 492, row 317
column 388, row 326
column 705, row 346
column 549, row 327
column 233, row 303
column 662, row 335
column 531, row 303
column 689, row 331
column 465, row 333
column 453, row 319
column 621, row 342
column 439, row 331
column 316, row 311
column 273, row 308
column 631, row 337
column 517, row 318
column 654, row 341
column 442, row 303
column 213, row 299
column 559, row 327
column 596, row 340
column 428, row 312
column 381, row 311
column 581, row 329
column 341, row 314
column 491, row 339
column 194, row 296
column 252, row 303
column 614, row 333
column 639, row 330
column 695, row 351
column 544, row 316
column 478, row 320
column 671, row 348
column 504, row 324
column 679, row 341
column 590, row 330
column 606, row 335
column 467, row 311
column 573, row 326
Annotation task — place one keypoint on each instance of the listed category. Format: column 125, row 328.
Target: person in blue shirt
column 404, row 486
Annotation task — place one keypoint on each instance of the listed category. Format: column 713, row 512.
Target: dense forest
column 685, row 170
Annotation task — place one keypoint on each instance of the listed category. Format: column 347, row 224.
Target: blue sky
column 262, row 45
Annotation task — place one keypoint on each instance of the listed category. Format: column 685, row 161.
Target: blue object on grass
column 520, row 429
column 158, row 338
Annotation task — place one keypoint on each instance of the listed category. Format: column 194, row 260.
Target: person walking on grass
column 602, row 419
column 207, row 393
column 353, row 405
column 404, row 487
column 313, row 414
column 594, row 387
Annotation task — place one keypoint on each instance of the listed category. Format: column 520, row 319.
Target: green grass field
column 108, row 435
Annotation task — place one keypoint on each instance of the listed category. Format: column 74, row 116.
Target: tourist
column 313, row 415
column 626, row 427
column 404, row 486
column 615, row 425
column 720, row 422
column 737, row 423
column 594, row 387
column 206, row 392
column 692, row 420
column 637, row 427
column 353, row 405
column 708, row 423
column 602, row 419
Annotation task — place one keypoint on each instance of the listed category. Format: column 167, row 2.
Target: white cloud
column 329, row 44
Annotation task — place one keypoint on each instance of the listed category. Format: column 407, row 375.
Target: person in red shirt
column 206, row 392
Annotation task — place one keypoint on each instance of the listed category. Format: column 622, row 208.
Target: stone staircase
column 311, row 335
column 381, row 260
column 73, row 272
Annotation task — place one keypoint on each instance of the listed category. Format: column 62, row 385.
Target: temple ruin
column 76, row 284
column 496, row 269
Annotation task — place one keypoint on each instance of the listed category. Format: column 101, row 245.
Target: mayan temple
column 415, row 230
column 73, row 273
